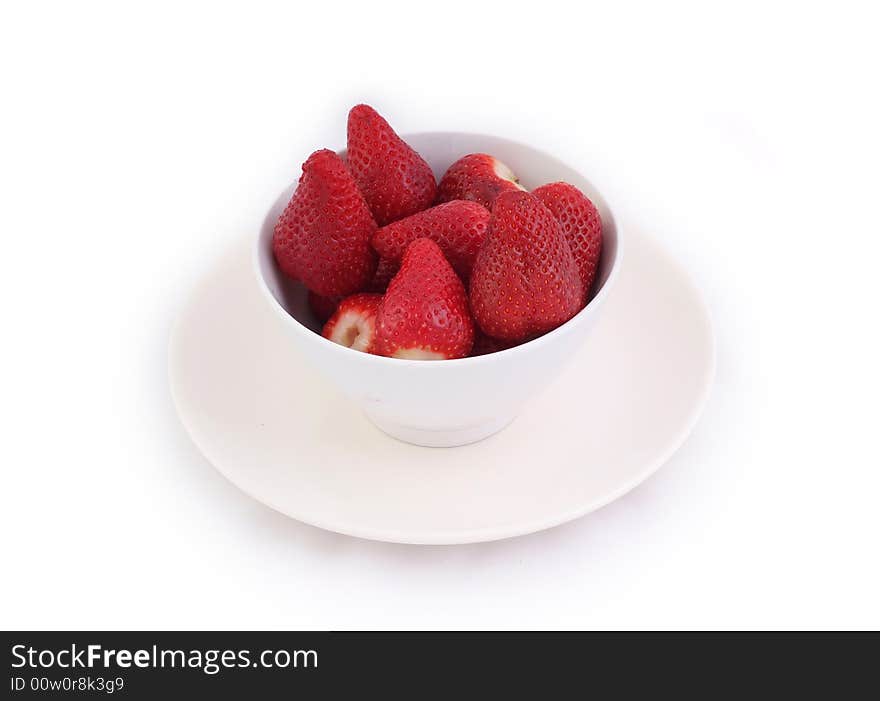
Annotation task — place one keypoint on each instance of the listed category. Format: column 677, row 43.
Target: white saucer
column 283, row 435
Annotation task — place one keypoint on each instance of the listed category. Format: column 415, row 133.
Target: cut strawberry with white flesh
column 477, row 177
column 353, row 324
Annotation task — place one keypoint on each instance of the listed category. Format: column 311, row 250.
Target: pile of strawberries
column 402, row 266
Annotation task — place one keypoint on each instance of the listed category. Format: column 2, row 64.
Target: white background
column 137, row 144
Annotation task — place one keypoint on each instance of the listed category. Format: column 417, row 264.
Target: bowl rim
column 529, row 346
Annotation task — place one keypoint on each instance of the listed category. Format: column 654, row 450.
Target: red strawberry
column 581, row 224
column 384, row 274
column 525, row 281
column 322, row 307
column 424, row 315
column 323, row 235
column 395, row 180
column 353, row 324
column 458, row 227
column 478, row 177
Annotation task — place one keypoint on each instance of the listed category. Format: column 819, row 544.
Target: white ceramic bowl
column 443, row 403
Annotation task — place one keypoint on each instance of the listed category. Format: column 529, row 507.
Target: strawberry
column 396, row 181
column 323, row 235
column 322, row 307
column 353, row 324
column 581, row 224
column 424, row 315
column 458, row 227
column 525, row 280
column 478, row 177
column 385, row 272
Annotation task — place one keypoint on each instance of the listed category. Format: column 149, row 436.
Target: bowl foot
column 442, row 438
